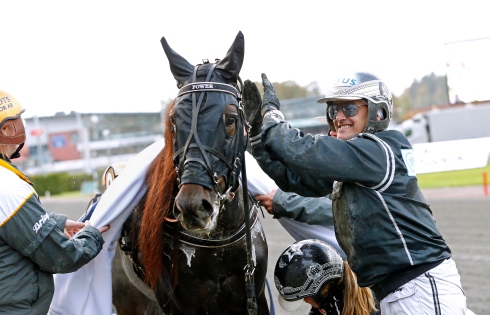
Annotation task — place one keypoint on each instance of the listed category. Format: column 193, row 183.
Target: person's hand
column 72, row 227
column 266, row 200
column 101, row 229
column 104, row 228
column 251, row 107
column 270, row 101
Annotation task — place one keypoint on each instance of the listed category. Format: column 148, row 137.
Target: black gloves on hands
column 254, row 107
column 270, row 102
column 252, row 104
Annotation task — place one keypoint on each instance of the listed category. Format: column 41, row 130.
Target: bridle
column 230, row 190
column 179, row 155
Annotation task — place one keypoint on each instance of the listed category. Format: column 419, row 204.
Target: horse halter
column 203, row 159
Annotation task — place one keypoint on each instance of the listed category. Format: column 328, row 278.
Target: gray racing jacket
column 33, row 246
column 303, row 209
column 382, row 221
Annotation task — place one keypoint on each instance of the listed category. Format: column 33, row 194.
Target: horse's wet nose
column 195, row 210
column 192, row 208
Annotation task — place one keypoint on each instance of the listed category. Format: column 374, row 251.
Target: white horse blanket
column 88, row 291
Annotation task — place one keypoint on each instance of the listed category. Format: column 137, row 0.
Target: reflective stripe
column 390, row 164
column 400, row 235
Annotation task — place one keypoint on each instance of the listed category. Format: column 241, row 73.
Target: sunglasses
column 349, row 109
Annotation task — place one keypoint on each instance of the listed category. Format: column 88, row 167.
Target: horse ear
column 231, row 65
column 180, row 67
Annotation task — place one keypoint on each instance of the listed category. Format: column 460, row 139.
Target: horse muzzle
column 196, row 208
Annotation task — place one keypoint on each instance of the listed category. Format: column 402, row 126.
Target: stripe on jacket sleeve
column 390, row 164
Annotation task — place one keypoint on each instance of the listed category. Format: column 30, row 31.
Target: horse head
column 208, row 135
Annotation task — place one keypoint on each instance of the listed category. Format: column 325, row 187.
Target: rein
column 198, row 241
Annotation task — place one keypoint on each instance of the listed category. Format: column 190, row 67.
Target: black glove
column 252, row 103
column 270, row 102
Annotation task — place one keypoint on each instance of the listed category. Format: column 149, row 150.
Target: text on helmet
column 5, row 103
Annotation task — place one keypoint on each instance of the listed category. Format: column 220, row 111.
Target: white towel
column 88, row 291
column 258, row 182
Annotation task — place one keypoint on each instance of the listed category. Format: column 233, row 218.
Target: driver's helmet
column 10, row 111
column 303, row 269
column 365, row 86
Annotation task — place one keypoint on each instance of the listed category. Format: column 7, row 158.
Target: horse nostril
column 197, row 209
column 207, row 208
column 202, row 210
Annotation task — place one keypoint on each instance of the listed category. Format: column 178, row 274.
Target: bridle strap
column 206, row 148
column 206, row 242
column 250, row 267
column 196, row 107
column 210, row 87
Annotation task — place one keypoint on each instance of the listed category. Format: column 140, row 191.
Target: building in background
column 88, row 142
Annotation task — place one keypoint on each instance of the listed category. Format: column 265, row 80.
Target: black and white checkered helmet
column 365, row 86
column 303, row 269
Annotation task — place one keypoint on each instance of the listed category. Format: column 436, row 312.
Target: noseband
column 180, row 154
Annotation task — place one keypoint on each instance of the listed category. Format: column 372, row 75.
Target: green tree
column 429, row 91
column 290, row 89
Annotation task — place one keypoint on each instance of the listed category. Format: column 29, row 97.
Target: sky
column 105, row 56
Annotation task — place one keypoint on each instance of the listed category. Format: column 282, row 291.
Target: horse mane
column 357, row 300
column 161, row 180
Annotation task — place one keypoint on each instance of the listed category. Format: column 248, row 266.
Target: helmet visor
column 350, row 109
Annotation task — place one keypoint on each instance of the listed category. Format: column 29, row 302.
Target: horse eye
column 230, row 124
column 230, row 121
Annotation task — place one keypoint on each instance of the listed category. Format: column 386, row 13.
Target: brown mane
column 161, row 180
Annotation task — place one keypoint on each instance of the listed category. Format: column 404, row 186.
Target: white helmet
column 363, row 86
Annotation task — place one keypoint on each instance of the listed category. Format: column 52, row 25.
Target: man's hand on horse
column 270, row 102
column 252, row 107
column 101, row 229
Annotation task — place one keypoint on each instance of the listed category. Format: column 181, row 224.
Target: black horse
column 186, row 242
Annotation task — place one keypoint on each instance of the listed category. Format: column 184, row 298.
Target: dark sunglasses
column 349, row 109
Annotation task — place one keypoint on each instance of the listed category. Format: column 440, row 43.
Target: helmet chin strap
column 16, row 154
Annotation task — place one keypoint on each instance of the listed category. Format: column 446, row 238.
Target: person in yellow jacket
column 34, row 244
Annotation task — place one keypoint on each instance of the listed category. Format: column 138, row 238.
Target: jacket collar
column 14, row 169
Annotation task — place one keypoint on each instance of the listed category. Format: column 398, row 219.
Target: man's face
column 347, row 126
